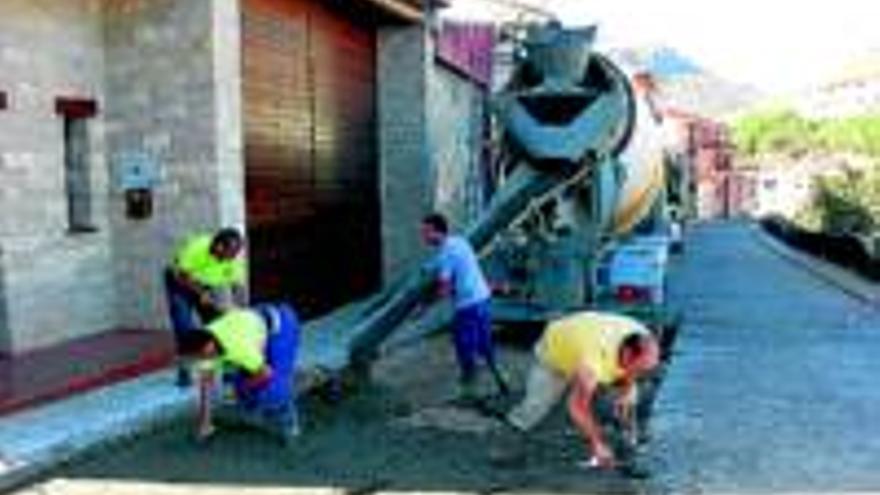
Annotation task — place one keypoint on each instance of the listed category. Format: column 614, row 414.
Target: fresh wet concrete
column 402, row 434
column 771, row 389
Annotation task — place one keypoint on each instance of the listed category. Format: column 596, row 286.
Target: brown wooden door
column 310, row 151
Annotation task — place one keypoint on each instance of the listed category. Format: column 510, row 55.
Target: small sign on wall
column 136, row 170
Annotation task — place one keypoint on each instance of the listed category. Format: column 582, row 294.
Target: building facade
column 126, row 125
column 720, row 191
column 786, row 186
column 459, row 129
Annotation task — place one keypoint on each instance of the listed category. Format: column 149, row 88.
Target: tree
column 844, row 203
column 772, row 131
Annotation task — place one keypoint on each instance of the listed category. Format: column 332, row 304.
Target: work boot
column 467, row 393
column 184, row 377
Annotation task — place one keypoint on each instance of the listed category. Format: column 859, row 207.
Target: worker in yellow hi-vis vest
column 206, row 277
column 256, row 349
column 585, row 351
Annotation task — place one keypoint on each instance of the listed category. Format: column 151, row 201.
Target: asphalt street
column 773, row 386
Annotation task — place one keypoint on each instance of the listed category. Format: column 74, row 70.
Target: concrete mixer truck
column 582, row 181
column 600, row 239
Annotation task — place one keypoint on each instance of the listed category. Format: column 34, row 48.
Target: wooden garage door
column 310, row 151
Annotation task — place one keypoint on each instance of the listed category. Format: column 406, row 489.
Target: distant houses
column 853, row 90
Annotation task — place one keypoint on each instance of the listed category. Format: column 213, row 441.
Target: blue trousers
column 184, row 309
column 277, row 397
column 472, row 337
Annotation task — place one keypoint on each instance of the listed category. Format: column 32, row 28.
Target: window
column 77, row 175
column 75, row 115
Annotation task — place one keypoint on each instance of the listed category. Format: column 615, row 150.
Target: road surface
column 772, row 388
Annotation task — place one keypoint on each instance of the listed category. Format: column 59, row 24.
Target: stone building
column 127, row 124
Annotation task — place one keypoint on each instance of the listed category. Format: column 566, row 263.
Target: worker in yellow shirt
column 583, row 352
column 255, row 349
column 206, row 275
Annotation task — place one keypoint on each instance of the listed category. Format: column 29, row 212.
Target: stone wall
column 5, row 334
column 430, row 140
column 55, row 285
column 165, row 75
column 405, row 178
column 173, row 91
column 457, row 113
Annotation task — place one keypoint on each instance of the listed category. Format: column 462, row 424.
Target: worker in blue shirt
column 458, row 275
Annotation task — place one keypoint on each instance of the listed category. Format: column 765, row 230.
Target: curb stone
column 33, row 441
column 861, row 289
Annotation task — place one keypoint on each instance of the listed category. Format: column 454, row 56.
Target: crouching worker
column 255, row 349
column 586, row 351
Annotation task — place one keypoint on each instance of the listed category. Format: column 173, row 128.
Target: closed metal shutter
column 310, row 151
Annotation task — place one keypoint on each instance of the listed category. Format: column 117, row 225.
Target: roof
column 408, row 10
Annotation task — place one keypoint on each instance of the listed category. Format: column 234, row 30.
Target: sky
column 776, row 45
